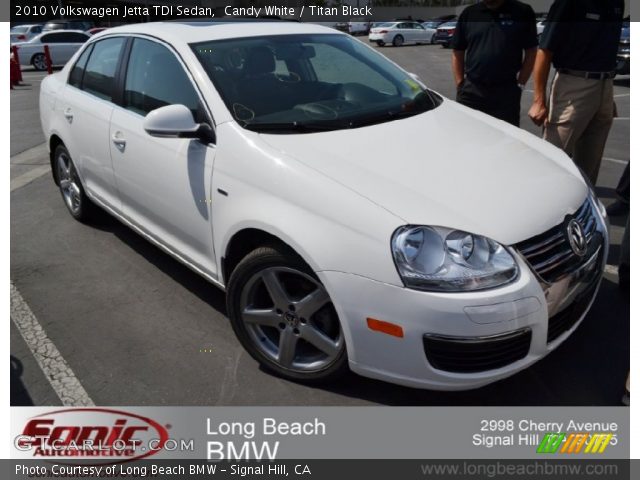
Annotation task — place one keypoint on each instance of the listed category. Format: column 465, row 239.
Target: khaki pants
column 581, row 112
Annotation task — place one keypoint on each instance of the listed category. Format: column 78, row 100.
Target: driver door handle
column 68, row 114
column 118, row 140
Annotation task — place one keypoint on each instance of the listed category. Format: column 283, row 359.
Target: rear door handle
column 68, row 114
column 118, row 140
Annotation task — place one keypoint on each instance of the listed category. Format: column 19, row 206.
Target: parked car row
column 62, row 45
column 364, row 27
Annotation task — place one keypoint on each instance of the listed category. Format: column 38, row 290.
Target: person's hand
column 539, row 113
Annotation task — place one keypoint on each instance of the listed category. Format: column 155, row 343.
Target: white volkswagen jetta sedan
column 286, row 164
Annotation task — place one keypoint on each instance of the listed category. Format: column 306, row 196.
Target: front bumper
column 517, row 313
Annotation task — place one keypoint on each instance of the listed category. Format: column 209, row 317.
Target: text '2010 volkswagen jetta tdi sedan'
column 286, row 164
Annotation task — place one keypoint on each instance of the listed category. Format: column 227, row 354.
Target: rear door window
column 99, row 74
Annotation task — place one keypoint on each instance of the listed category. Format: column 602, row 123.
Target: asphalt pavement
column 135, row 327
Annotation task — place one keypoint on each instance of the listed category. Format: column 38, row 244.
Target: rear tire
column 39, row 62
column 398, row 40
column 380, row 43
column 283, row 316
column 75, row 199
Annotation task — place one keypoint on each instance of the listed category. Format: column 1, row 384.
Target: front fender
column 331, row 227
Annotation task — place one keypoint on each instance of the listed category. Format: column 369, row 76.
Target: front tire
column 284, row 318
column 73, row 194
column 398, row 40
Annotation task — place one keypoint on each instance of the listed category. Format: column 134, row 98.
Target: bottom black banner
column 325, row 469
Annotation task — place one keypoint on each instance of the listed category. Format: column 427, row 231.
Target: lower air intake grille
column 567, row 318
column 462, row 355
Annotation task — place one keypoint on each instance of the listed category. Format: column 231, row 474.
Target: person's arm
column 538, row 111
column 459, row 46
column 457, row 65
column 527, row 65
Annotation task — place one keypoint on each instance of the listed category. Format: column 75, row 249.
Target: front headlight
column 446, row 260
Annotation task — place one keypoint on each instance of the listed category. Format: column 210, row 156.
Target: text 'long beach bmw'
column 320, row 185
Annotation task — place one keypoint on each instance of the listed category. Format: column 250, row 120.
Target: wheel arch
column 54, row 142
column 244, row 241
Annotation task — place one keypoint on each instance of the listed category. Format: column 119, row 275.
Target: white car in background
column 540, row 27
column 302, row 172
column 358, row 27
column 399, row 33
column 62, row 46
column 24, row 33
column 431, row 27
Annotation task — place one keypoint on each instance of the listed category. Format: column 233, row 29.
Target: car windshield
column 307, row 83
column 384, row 25
column 430, row 24
column 449, row 24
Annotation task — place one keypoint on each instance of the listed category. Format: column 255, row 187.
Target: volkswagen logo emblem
column 576, row 237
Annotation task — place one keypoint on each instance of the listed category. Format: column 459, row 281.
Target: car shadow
column 171, row 267
column 589, row 368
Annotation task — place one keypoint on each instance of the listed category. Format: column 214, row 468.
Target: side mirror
column 176, row 121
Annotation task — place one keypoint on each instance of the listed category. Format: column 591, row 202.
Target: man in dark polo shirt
column 581, row 40
column 494, row 49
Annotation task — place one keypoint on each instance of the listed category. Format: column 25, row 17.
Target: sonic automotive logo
column 92, row 432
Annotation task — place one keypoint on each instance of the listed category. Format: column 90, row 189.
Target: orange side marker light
column 385, row 327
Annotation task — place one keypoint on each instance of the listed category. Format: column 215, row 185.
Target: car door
column 66, row 44
column 412, row 33
column 55, row 41
column 164, row 183
column 87, row 105
column 420, row 33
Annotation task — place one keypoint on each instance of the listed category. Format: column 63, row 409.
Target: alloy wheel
column 69, row 184
column 290, row 319
column 39, row 62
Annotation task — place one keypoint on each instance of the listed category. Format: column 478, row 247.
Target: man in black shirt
column 488, row 65
column 581, row 40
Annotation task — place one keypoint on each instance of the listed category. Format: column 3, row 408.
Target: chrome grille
column 550, row 254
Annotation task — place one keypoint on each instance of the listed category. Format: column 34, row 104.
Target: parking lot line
column 53, row 365
column 29, row 176
column 615, row 160
column 36, row 156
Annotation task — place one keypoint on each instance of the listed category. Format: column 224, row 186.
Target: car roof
column 62, row 31
column 185, row 32
column 49, row 32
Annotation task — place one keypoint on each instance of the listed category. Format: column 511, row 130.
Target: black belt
column 588, row 75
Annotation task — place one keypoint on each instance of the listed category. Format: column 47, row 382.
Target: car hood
column 451, row 167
